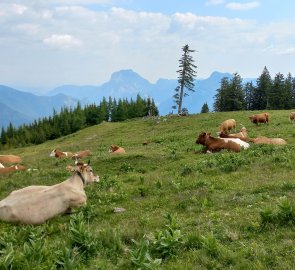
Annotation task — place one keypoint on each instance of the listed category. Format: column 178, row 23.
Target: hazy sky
column 48, row 43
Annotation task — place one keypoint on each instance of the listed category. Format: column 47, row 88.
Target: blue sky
column 48, row 43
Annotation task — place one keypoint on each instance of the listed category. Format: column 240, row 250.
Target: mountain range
column 19, row 107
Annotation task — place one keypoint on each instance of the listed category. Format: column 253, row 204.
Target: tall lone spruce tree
column 186, row 77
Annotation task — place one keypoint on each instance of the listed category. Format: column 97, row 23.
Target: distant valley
column 19, row 107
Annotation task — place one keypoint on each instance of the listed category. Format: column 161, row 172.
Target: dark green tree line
column 70, row 120
column 267, row 93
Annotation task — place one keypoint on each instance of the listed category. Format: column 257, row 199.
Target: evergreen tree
column 236, row 101
column 293, row 93
column 219, row 104
column 261, row 91
column 288, row 92
column 205, row 108
column 186, row 77
column 275, row 96
column 249, row 92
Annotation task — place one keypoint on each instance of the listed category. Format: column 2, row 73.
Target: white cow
column 243, row 144
column 36, row 204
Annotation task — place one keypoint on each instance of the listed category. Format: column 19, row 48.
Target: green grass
column 184, row 210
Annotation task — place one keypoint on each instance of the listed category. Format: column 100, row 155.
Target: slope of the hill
column 229, row 210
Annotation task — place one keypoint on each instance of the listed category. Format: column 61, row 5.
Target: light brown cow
column 265, row 140
column 10, row 159
column 114, row 149
column 227, row 125
column 242, row 135
column 292, row 117
column 260, row 118
column 216, row 144
column 60, row 154
column 12, row 169
column 81, row 154
column 36, row 204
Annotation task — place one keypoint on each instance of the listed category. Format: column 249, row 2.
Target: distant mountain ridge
column 19, row 107
column 127, row 84
column 22, row 107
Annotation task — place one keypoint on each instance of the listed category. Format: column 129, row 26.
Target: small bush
column 140, row 256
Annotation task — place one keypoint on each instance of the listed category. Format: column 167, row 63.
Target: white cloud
column 242, row 6
column 214, row 2
column 62, row 41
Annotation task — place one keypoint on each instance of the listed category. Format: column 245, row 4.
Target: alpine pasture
column 163, row 205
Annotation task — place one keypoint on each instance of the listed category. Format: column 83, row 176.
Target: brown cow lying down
column 259, row 118
column 81, row 154
column 36, row 204
column 10, row 159
column 216, row 144
column 114, row 149
column 4, row 170
column 60, row 154
column 227, row 125
column 265, row 140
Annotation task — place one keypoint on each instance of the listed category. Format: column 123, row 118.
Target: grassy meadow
column 183, row 209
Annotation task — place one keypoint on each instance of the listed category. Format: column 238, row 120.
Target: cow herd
column 237, row 141
column 36, row 204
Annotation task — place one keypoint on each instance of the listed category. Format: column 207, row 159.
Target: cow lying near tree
column 36, row 204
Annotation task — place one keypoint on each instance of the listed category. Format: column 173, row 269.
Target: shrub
column 140, row 256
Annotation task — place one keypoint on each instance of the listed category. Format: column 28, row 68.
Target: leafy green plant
column 210, row 244
column 67, row 258
column 140, row 256
column 80, row 236
column 169, row 240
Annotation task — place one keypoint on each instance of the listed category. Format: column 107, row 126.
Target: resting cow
column 10, row 159
column 227, row 125
column 81, row 154
column 60, row 154
column 36, row 204
column 242, row 135
column 265, row 140
column 114, row 149
column 259, row 118
column 216, row 144
column 10, row 169
column 292, row 117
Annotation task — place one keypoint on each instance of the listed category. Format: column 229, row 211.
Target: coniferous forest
column 70, row 120
column 267, row 93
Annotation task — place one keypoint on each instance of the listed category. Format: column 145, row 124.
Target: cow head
column 113, row 148
column 53, row 153
column 202, row 137
column 85, row 170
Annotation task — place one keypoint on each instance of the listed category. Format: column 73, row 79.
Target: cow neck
column 82, row 177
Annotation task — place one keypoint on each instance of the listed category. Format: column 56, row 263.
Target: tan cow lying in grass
column 265, row 140
column 216, row 144
column 10, row 159
column 114, row 149
column 81, row 154
column 4, row 170
column 36, row 204
column 60, row 154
